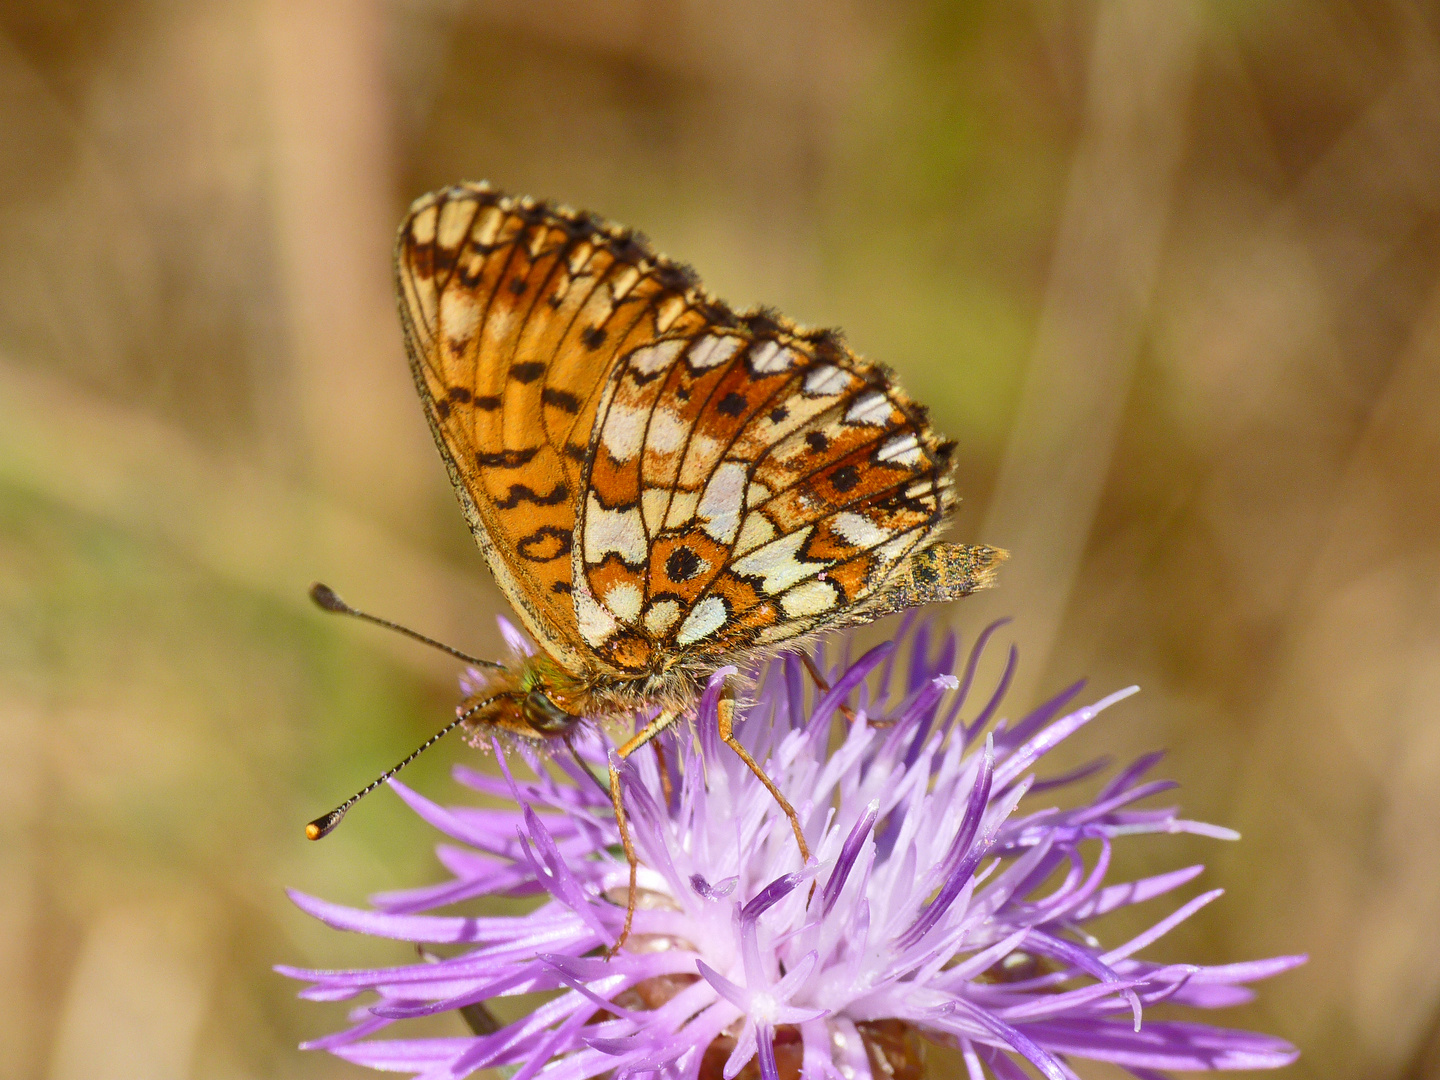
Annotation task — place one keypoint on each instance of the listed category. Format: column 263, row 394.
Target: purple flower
column 946, row 902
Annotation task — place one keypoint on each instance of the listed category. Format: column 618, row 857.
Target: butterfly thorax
column 538, row 698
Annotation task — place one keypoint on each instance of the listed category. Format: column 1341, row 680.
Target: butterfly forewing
column 514, row 313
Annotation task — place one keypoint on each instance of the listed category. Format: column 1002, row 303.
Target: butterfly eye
column 545, row 716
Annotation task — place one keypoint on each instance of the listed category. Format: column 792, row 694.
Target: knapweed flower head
column 946, row 902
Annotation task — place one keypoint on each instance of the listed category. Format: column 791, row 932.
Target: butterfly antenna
column 325, row 825
column 327, row 598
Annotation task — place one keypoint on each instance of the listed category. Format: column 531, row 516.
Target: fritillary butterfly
column 661, row 485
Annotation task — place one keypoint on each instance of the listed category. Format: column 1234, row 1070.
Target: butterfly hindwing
column 747, row 485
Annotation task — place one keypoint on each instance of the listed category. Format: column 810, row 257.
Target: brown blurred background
column 1170, row 271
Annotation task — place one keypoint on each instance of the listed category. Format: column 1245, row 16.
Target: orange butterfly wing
column 655, row 480
column 748, row 484
column 514, row 313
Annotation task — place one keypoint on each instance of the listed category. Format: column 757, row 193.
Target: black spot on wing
column 527, row 372
column 506, row 459
column 519, row 493
column 682, row 565
column 561, row 399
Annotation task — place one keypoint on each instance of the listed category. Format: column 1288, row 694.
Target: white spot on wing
column 624, row 282
column 596, row 624
column 660, row 616
column 497, row 326
column 652, row 505
column 489, row 227
column 579, row 257
column 624, row 430
column 707, row 617
column 471, row 259
column 422, row 228
column 903, row 448
column 653, row 358
column 667, row 432
column 711, row 351
column 623, row 600
column 826, row 381
column 459, row 314
column 682, row 508
column 872, row 409
column 777, row 563
column 720, row 506
column 700, row 458
column 889, row 552
column 921, row 488
column 703, row 448
column 620, row 531
column 670, row 310
column 810, row 598
column 858, row 530
column 770, row 358
column 454, row 220
column 755, row 531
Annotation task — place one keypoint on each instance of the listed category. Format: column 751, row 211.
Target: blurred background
column 1169, row 271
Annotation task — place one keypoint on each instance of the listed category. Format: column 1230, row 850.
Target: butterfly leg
column 666, row 718
column 823, row 685
column 667, row 785
column 726, row 710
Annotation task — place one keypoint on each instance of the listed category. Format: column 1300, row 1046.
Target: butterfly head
column 536, row 700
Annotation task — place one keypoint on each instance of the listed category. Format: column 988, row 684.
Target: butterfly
column 661, row 485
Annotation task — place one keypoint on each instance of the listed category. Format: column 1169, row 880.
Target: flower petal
column 1166, row 1044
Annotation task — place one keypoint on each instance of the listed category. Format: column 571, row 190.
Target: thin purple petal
column 849, row 852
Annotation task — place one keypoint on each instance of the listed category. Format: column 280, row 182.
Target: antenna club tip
column 323, row 826
column 326, row 598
